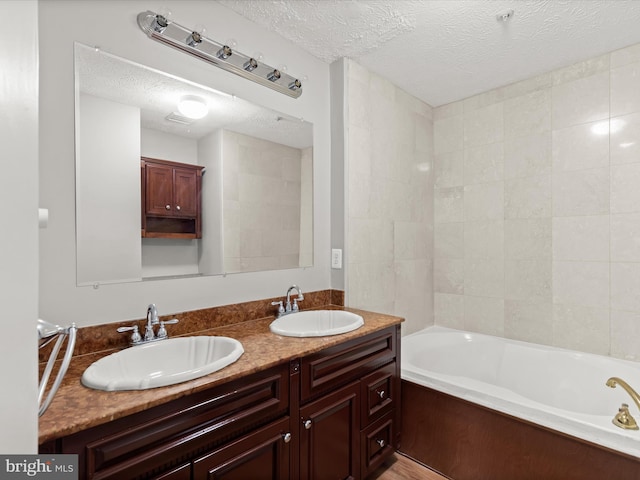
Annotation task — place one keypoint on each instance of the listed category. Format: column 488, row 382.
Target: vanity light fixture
column 193, row 41
column 193, row 107
column 159, row 23
column 224, row 53
column 273, row 76
column 295, row 85
column 250, row 65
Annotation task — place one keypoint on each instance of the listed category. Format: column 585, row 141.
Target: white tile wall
column 537, row 208
column 390, row 177
column 261, row 184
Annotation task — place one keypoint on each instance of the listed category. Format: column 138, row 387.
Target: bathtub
column 561, row 390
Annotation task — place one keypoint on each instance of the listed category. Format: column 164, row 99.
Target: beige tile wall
column 537, row 208
column 390, row 194
column 261, row 186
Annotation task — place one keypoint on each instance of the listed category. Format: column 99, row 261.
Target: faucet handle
column 280, row 307
column 295, row 307
column 135, row 336
column 162, row 332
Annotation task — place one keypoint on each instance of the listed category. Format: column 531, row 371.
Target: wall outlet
column 336, row 258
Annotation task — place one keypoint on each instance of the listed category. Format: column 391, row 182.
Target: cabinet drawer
column 376, row 443
column 263, row 454
column 343, row 363
column 378, row 393
column 158, row 438
column 180, row 473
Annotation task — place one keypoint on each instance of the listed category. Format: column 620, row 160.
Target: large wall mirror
column 257, row 211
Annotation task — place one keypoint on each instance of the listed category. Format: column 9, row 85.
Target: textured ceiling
column 445, row 50
column 157, row 94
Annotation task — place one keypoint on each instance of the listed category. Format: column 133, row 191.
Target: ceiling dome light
column 193, row 107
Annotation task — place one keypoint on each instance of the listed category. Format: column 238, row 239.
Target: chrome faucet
column 149, row 334
column 152, row 319
column 623, row 418
column 289, row 307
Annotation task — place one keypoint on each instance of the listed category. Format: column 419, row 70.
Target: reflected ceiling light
column 608, row 126
column 192, row 106
column 627, row 144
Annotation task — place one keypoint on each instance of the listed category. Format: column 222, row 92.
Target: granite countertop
column 76, row 407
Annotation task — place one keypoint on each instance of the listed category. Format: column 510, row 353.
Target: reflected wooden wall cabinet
column 171, row 199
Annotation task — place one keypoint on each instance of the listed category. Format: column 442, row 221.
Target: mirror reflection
column 255, row 190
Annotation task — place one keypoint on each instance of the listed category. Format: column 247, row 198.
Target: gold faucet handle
column 623, row 418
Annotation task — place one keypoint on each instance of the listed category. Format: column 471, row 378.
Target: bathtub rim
column 581, row 427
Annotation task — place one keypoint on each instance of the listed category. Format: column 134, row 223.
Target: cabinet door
column 159, row 190
column 330, row 436
column 261, row 455
column 185, row 189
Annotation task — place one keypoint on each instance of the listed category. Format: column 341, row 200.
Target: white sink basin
column 316, row 323
column 162, row 363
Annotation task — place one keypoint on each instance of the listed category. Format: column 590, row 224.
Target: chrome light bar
column 159, row 28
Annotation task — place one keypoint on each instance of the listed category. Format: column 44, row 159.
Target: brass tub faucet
column 623, row 418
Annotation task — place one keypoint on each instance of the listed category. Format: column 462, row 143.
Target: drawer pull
column 381, row 394
column 286, row 437
column 307, row 424
column 380, row 442
column 178, row 207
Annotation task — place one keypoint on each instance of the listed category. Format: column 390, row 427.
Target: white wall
column 167, row 146
column 112, row 26
column 210, row 252
column 108, row 229
column 306, row 207
column 19, row 240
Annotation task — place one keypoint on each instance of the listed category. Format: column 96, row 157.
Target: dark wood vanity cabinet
column 350, row 408
column 171, row 199
column 333, row 414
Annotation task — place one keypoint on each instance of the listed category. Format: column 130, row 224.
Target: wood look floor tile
column 403, row 468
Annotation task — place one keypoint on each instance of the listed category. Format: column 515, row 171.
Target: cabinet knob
column 168, row 207
column 307, row 424
column 380, row 442
column 381, row 393
column 178, row 207
column 286, row 437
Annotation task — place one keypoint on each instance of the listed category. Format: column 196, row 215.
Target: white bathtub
column 559, row 389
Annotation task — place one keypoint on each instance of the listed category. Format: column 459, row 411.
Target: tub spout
column 613, row 381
